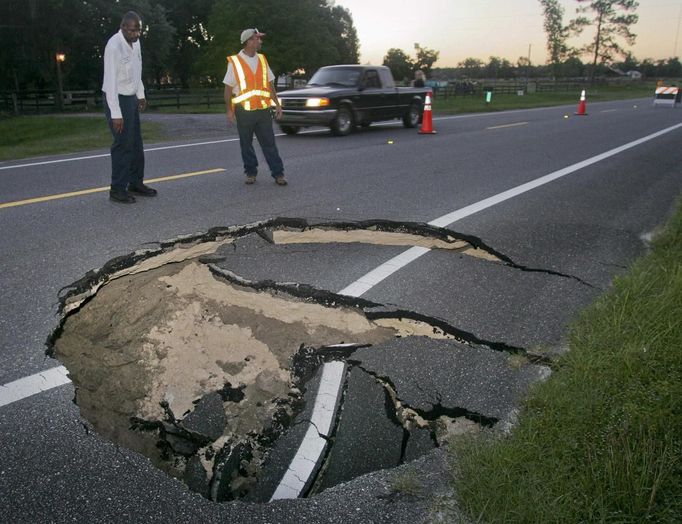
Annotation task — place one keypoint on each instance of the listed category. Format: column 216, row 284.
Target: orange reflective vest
column 254, row 92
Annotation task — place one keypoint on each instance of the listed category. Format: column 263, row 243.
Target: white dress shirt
column 231, row 79
column 122, row 71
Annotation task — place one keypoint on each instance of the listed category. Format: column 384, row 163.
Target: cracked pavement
column 196, row 332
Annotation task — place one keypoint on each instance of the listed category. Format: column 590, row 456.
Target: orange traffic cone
column 582, row 106
column 427, row 118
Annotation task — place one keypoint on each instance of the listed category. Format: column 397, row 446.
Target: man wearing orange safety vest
column 249, row 96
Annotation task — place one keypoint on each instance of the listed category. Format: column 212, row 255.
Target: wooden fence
column 36, row 102
column 41, row 102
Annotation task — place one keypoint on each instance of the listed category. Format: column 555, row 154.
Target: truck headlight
column 317, row 102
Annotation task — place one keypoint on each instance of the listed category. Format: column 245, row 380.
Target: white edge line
column 33, row 384
column 307, row 458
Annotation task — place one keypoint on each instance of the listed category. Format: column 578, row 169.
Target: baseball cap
column 248, row 33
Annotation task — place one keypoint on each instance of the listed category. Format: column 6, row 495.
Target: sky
column 482, row 28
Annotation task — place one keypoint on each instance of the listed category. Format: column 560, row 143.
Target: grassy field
column 601, row 440
column 476, row 104
column 27, row 136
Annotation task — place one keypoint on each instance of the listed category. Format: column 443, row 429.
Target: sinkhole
column 215, row 378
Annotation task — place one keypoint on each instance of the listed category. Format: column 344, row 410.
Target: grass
column 476, row 104
column 407, row 483
column 26, row 136
column 601, row 439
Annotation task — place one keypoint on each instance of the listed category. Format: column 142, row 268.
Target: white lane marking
column 448, row 219
column 309, row 454
column 508, row 125
column 31, row 385
column 104, row 155
column 363, row 284
column 325, row 130
column 366, row 282
column 608, row 110
column 161, row 148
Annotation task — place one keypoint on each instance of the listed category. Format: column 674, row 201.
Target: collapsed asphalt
column 206, row 370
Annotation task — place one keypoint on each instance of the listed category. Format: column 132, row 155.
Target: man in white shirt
column 124, row 98
column 253, row 80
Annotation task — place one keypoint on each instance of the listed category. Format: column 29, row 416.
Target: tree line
column 496, row 67
column 184, row 42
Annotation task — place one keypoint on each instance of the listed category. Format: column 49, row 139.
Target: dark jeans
column 260, row 123
column 127, row 151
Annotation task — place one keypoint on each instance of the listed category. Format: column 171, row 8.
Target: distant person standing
column 419, row 79
column 249, row 94
column 124, row 99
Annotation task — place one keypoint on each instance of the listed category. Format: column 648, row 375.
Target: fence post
column 177, row 100
column 15, row 105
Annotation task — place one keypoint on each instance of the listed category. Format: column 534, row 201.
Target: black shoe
column 122, row 196
column 142, row 190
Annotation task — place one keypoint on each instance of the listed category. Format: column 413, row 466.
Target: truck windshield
column 335, row 77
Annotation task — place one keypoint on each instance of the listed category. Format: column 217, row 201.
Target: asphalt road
column 569, row 237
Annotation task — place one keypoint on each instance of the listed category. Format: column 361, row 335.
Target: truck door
column 372, row 96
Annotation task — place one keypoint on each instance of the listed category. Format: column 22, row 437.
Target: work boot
column 142, row 189
column 250, row 180
column 122, row 196
column 280, row 180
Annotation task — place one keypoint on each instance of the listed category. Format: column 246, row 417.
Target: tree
column 471, row 67
column 301, row 34
column 189, row 18
column 33, row 32
column 498, row 67
column 612, row 20
column 671, row 68
column 348, row 45
column 557, row 32
column 648, row 68
column 401, row 65
column 425, row 59
column 572, row 67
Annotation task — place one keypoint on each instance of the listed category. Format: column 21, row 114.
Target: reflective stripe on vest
column 259, row 93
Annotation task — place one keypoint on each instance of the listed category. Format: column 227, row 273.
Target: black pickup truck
column 345, row 96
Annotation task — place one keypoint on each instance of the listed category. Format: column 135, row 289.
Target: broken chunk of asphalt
column 226, row 469
column 473, row 381
column 366, row 438
column 208, row 417
column 419, row 443
column 195, row 476
column 280, row 459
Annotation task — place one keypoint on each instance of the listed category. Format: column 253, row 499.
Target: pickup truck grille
column 291, row 103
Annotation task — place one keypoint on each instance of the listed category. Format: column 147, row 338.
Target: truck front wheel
column 343, row 123
column 411, row 118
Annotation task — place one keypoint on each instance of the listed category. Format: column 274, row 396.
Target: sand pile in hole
column 177, row 333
